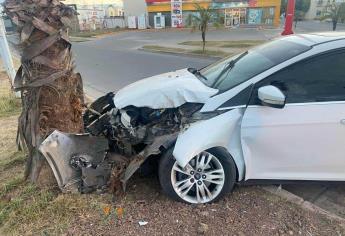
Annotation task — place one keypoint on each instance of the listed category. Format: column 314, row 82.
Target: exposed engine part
column 99, row 124
column 93, row 176
column 99, row 107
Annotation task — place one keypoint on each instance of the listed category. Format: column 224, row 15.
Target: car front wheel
column 206, row 178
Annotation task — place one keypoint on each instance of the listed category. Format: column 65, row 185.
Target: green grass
column 216, row 53
column 17, row 158
column 79, row 39
column 94, row 33
column 156, row 48
column 225, row 44
column 164, row 49
column 9, row 106
column 10, row 185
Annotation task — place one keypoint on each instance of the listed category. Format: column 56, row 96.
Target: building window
column 254, row 16
column 258, row 16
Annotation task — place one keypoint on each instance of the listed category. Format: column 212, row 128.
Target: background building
column 134, row 7
column 317, row 8
column 233, row 12
column 137, row 9
column 98, row 14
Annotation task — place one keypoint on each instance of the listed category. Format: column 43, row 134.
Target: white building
column 137, row 11
column 134, row 8
column 98, row 14
column 317, row 8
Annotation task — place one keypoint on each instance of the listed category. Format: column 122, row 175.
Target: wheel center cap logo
column 197, row 176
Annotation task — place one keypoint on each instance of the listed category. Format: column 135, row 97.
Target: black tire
column 167, row 162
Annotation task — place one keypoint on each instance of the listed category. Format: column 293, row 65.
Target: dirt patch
column 248, row 211
column 27, row 209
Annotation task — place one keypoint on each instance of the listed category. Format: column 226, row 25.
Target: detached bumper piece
column 78, row 161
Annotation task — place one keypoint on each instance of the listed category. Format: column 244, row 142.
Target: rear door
column 306, row 139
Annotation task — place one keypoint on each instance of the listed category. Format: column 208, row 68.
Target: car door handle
column 342, row 121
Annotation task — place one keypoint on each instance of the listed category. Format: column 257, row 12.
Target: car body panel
column 168, row 90
column 216, row 101
column 220, row 131
column 195, row 139
column 298, row 142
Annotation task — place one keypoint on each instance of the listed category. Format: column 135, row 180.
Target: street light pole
column 290, row 12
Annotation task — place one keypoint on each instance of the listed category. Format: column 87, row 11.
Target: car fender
column 221, row 131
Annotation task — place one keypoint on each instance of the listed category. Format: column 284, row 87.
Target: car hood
column 167, row 90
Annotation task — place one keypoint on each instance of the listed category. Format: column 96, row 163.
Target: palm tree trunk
column 52, row 94
column 203, row 36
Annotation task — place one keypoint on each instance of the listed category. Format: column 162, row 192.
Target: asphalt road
column 114, row 61
column 111, row 63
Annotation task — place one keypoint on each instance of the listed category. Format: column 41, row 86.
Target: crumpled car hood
column 167, row 90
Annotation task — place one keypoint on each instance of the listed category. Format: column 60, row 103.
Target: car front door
column 305, row 140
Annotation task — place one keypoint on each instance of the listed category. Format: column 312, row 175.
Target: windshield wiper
column 196, row 72
column 228, row 67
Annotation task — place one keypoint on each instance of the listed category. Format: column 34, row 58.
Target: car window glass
column 244, row 69
column 320, row 79
column 256, row 61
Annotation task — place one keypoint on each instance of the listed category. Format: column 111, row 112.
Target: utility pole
column 289, row 15
column 6, row 54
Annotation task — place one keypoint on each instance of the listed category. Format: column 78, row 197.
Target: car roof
column 312, row 39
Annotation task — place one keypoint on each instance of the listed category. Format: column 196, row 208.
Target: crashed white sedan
column 275, row 112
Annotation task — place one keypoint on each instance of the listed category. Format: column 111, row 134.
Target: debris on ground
column 203, row 228
column 143, row 223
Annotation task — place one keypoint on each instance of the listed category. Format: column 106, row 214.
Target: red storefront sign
column 252, row 3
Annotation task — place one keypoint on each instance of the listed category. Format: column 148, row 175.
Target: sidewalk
column 330, row 197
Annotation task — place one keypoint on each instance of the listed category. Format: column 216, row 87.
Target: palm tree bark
column 51, row 93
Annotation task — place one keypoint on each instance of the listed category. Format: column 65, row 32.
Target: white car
column 275, row 112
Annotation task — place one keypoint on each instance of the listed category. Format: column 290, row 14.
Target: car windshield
column 231, row 71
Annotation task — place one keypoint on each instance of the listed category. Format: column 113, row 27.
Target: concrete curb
column 301, row 202
column 179, row 53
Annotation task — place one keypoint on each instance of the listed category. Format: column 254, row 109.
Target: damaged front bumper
column 81, row 162
column 117, row 143
column 66, row 153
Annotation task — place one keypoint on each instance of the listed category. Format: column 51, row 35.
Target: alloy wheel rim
column 200, row 181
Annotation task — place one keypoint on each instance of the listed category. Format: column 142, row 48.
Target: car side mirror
column 271, row 96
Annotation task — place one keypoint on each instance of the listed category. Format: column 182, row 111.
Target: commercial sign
column 176, row 13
